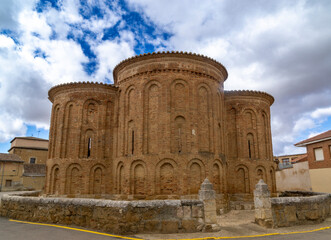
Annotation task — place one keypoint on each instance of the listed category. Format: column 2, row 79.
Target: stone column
column 262, row 203
column 208, row 197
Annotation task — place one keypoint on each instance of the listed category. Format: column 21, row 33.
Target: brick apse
column 156, row 133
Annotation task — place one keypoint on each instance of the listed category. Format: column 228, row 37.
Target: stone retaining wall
column 120, row 217
column 289, row 211
column 295, row 208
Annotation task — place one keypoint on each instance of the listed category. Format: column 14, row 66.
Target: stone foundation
column 120, row 217
column 295, row 208
column 290, row 211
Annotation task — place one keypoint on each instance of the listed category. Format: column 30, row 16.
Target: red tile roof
column 321, row 137
column 302, row 158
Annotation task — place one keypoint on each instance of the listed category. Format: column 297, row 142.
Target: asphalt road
column 22, row 231
column 319, row 235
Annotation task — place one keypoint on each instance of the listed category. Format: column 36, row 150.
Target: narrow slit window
column 132, row 142
column 89, row 147
column 179, row 140
column 249, row 149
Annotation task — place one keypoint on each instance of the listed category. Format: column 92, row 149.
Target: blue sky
column 281, row 47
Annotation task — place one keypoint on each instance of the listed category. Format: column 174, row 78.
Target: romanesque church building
column 164, row 126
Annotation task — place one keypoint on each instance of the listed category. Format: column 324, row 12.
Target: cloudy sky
column 282, row 47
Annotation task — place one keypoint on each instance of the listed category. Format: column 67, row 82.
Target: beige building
column 319, row 160
column 34, row 176
column 31, row 149
column 285, row 161
column 33, row 152
column 294, row 177
column 11, row 170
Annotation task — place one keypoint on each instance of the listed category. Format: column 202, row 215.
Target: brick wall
column 158, row 132
column 326, row 163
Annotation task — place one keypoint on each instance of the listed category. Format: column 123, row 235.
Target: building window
column 33, row 160
column 89, row 147
column 8, row 183
column 286, row 161
column 132, row 149
column 319, row 156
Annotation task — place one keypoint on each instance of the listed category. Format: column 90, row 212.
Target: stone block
column 258, row 214
column 197, row 212
column 211, row 228
column 180, row 212
column 290, row 213
column 169, row 226
column 187, row 211
column 189, row 225
column 210, row 217
column 312, row 215
column 209, row 205
column 152, row 226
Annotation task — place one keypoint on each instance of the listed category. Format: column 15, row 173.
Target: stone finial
column 206, row 190
column 261, row 188
column 206, row 185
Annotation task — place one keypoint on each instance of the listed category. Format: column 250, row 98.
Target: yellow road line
column 250, row 236
column 76, row 229
column 205, row 238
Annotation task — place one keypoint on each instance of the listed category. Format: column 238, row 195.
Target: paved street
column 17, row 231
column 22, row 231
column 319, row 235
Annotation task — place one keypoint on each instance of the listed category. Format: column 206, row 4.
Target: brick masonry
column 163, row 127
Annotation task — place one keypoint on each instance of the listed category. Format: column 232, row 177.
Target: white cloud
column 10, row 126
column 23, row 95
column 303, row 124
column 29, row 68
column 63, row 62
column 9, row 11
column 321, row 112
column 6, row 42
column 32, row 22
column 110, row 53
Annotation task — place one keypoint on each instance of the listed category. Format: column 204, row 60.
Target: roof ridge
column 319, row 137
column 180, row 53
column 250, row 93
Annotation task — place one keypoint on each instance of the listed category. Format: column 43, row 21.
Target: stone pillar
column 207, row 195
column 262, row 203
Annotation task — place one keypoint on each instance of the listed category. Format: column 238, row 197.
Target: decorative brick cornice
column 168, row 70
column 74, row 85
column 252, row 93
column 178, row 54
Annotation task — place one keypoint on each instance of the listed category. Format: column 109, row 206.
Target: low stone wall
column 294, row 208
column 121, row 217
column 289, row 211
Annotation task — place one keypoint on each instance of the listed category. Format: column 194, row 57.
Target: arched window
column 250, row 146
